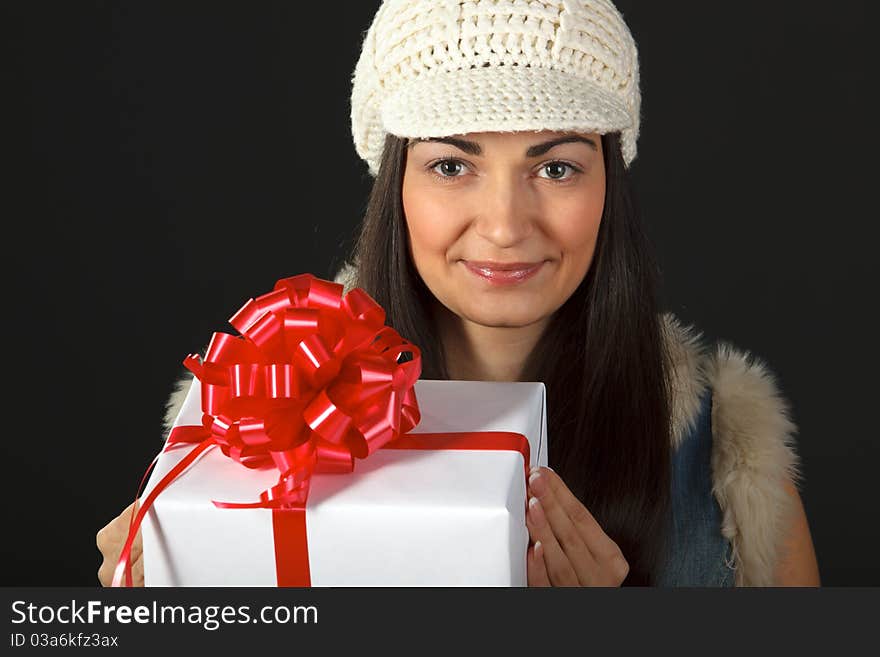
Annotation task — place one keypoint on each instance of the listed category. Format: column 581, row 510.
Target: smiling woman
column 502, row 238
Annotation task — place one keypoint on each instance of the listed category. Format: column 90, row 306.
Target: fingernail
column 535, row 511
column 534, row 477
column 537, row 485
column 538, row 546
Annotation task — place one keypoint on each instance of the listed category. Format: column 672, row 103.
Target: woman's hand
column 110, row 540
column 568, row 547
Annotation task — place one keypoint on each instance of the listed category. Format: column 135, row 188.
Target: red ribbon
column 312, row 382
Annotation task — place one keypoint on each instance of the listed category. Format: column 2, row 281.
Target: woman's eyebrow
column 473, row 148
column 470, row 147
column 540, row 149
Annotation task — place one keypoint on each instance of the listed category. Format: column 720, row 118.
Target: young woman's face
column 504, row 198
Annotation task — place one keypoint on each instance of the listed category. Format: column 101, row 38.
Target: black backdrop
column 169, row 160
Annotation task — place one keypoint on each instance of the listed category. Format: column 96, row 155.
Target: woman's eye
column 556, row 170
column 448, row 168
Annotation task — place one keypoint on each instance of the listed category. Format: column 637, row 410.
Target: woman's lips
column 506, row 274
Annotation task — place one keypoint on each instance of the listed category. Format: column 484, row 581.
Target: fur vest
column 753, row 445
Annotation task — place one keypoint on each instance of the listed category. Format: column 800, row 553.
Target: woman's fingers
column 594, row 557
column 536, row 569
column 564, row 528
column 110, row 541
column 567, row 536
column 105, row 572
column 599, row 544
column 559, row 569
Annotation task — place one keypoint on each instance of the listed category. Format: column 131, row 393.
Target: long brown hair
column 602, row 358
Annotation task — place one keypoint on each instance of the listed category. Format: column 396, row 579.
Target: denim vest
column 697, row 553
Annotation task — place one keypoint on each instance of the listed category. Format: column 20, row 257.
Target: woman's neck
column 485, row 353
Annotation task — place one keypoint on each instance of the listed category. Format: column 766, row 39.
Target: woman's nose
column 507, row 214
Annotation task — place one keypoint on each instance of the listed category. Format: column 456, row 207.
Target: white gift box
column 403, row 518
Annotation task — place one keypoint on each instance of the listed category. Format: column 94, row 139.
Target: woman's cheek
column 576, row 234
column 432, row 229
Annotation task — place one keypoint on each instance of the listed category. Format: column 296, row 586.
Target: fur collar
column 753, row 445
column 753, row 449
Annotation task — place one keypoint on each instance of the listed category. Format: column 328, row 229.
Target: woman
column 502, row 239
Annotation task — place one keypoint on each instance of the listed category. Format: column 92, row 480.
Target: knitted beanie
column 434, row 68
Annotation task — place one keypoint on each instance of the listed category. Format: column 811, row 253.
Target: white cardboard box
column 402, row 518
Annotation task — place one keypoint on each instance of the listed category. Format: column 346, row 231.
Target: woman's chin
column 505, row 316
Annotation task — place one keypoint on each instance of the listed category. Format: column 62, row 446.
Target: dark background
column 166, row 161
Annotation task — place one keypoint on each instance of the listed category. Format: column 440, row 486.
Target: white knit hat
column 434, row 68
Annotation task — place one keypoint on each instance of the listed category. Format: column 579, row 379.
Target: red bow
column 312, row 382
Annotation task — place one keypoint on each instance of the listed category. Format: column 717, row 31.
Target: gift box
column 442, row 506
column 309, row 452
